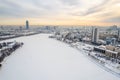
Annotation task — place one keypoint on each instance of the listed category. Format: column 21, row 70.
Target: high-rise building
column 118, row 34
column 95, row 35
column 27, row 24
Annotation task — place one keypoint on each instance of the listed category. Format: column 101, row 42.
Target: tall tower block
column 27, row 24
column 95, row 35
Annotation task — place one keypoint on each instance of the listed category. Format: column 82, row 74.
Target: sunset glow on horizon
column 60, row 12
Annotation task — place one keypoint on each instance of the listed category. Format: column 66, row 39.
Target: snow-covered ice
column 42, row 58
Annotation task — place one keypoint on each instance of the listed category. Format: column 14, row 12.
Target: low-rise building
column 109, row 51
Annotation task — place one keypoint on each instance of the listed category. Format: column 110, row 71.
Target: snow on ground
column 42, row 58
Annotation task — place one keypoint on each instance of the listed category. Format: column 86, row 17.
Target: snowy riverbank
column 112, row 65
column 109, row 65
column 7, row 48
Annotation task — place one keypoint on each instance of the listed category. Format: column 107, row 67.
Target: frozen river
column 42, row 58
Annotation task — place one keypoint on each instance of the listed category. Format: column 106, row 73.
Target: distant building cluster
column 7, row 32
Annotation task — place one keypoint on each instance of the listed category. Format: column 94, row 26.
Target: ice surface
column 42, row 58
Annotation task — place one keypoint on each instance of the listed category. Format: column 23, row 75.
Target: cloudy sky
column 60, row 12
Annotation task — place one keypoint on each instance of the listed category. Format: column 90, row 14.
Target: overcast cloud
column 68, row 9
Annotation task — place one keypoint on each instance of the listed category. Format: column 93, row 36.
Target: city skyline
column 60, row 12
